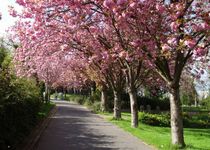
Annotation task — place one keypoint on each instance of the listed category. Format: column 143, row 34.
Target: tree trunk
column 176, row 118
column 117, row 105
column 196, row 102
column 103, row 100
column 46, row 96
column 48, row 100
column 134, row 108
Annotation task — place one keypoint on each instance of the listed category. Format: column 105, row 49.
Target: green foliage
column 92, row 102
column 194, row 109
column 20, row 101
column 190, row 120
column 196, row 120
column 19, row 105
column 96, row 107
column 162, row 120
column 76, row 98
column 95, row 97
column 164, row 104
column 206, row 102
column 45, row 109
column 159, row 137
column 3, row 54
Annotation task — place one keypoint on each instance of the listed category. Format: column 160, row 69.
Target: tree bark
column 46, row 93
column 117, row 105
column 48, row 100
column 103, row 100
column 134, row 108
column 176, row 118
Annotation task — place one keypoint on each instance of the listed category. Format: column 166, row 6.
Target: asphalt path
column 73, row 127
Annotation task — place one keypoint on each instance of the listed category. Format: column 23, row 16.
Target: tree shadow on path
column 74, row 128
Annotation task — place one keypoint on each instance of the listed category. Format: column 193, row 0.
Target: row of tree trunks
column 117, row 102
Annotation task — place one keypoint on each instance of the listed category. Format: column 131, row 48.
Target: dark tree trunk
column 104, row 100
column 117, row 105
column 176, row 118
column 134, row 108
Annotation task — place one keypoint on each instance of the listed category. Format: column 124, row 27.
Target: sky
column 6, row 20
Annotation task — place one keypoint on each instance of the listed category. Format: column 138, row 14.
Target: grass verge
column 45, row 109
column 159, row 137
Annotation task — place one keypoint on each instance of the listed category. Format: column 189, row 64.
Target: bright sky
column 6, row 20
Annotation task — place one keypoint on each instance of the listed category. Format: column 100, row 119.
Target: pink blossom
column 172, row 41
column 190, row 43
column 135, row 43
column 20, row 2
column 179, row 6
column 93, row 29
column 165, row 47
column 109, row 4
column 174, row 26
column 160, row 8
column 133, row 4
column 200, row 51
column 123, row 54
column 204, row 26
column 12, row 11
column 121, row 2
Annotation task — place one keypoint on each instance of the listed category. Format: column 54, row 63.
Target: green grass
column 159, row 137
column 45, row 109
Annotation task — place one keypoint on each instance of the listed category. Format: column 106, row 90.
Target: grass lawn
column 45, row 109
column 159, row 137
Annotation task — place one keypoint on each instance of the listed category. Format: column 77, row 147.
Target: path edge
column 31, row 141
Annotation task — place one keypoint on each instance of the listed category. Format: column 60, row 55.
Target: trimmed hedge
column 163, row 104
column 189, row 121
column 162, row 120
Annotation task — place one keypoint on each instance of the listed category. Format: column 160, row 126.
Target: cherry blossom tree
column 171, row 36
column 124, row 35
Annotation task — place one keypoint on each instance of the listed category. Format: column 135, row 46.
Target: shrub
column 164, row 104
column 189, row 121
column 96, row 107
column 19, row 106
column 155, row 119
column 206, row 102
column 95, row 97
column 197, row 120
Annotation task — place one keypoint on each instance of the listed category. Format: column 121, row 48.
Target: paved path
column 73, row 127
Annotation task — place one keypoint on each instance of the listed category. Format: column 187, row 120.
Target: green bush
column 198, row 120
column 206, row 102
column 155, row 119
column 96, row 107
column 19, row 105
column 164, row 104
column 95, row 97
column 189, row 120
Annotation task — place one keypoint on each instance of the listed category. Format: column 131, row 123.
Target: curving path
column 73, row 127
